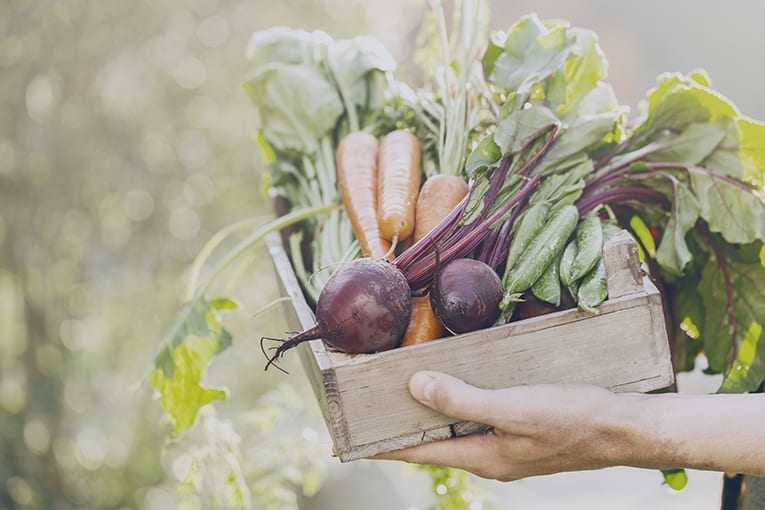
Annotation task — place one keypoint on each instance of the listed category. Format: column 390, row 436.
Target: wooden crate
column 364, row 397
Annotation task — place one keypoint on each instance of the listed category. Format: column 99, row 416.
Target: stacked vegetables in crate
column 516, row 164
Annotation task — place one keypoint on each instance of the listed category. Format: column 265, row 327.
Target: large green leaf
column 752, row 150
column 728, row 206
column 747, row 287
column 197, row 337
column 296, row 105
column 600, row 99
column 678, row 101
column 358, row 66
column 673, row 253
column 583, row 71
column 571, row 147
column 688, row 310
column 532, row 52
column 519, row 125
column 691, row 145
column 563, row 188
column 747, row 370
column 741, row 154
column 561, row 67
column 282, row 44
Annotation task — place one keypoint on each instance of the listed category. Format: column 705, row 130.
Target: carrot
column 438, row 196
column 423, row 324
column 399, row 183
column 356, row 157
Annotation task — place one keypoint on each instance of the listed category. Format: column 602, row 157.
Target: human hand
column 537, row 430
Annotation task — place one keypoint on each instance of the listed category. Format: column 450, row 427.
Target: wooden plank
column 623, row 273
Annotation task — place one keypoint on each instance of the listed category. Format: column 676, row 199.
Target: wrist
column 634, row 436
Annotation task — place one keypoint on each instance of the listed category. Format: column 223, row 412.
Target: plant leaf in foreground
column 196, row 338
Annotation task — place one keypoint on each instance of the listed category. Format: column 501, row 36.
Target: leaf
column 747, row 282
column 583, row 71
column 520, row 124
column 747, row 370
column 352, row 61
column 688, row 310
column 561, row 67
column 571, row 146
column 523, row 58
column 196, row 338
column 752, row 150
column 494, row 49
column 601, row 99
column 564, row 187
column 281, row 44
column 728, row 206
column 485, row 155
column 678, row 101
column 673, row 253
column 741, row 154
column 677, row 479
column 223, row 304
column 296, row 105
column 690, row 146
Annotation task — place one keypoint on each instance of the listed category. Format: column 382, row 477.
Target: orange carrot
column 423, row 324
column 356, row 157
column 399, row 180
column 438, row 196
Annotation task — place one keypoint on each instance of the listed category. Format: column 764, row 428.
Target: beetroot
column 364, row 307
column 465, row 295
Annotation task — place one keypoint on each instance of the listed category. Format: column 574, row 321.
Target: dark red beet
column 465, row 295
column 364, row 307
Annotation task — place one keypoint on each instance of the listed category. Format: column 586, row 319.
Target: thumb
column 452, row 397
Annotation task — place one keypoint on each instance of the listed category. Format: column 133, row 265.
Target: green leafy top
column 692, row 165
column 561, row 66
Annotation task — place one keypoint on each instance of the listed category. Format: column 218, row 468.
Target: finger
column 453, row 397
column 459, row 452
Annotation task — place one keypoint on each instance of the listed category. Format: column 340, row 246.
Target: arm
column 546, row 429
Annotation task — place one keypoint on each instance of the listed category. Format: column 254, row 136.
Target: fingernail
column 421, row 386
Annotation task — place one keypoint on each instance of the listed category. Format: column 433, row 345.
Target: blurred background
column 125, row 143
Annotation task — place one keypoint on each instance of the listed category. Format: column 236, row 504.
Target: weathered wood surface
column 365, row 399
column 622, row 266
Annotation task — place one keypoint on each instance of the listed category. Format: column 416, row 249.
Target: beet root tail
column 293, row 341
